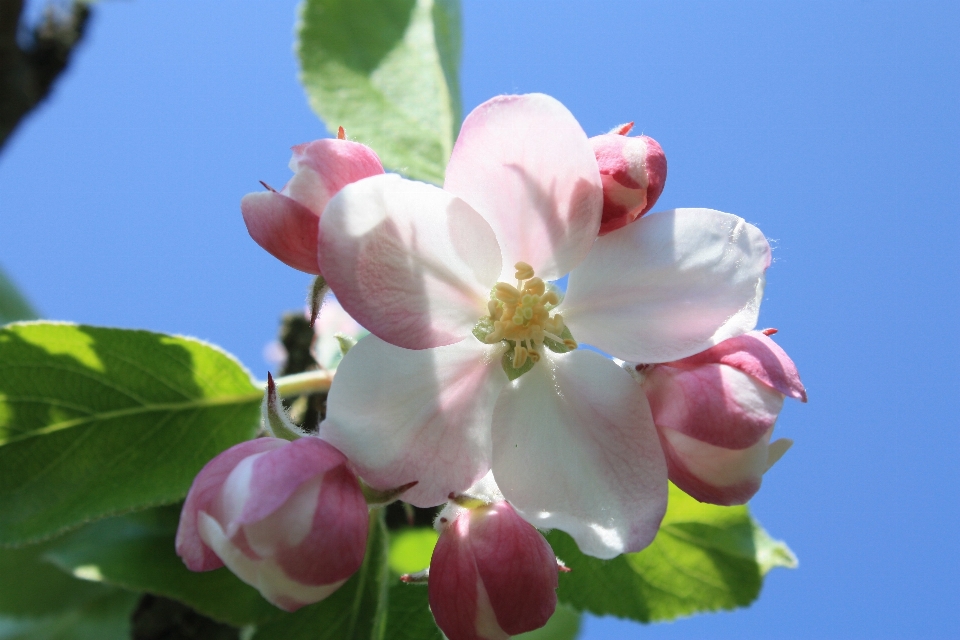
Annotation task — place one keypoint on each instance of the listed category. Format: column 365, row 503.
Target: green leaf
column 387, row 71
column 136, row 552
column 704, row 558
column 30, row 586
column 408, row 613
column 564, row 624
column 95, row 422
column 106, row 617
column 356, row 610
column 13, row 306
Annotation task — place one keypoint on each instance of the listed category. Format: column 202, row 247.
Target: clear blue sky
column 833, row 126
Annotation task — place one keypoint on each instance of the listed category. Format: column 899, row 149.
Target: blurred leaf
column 106, row 617
column 704, row 558
column 95, row 422
column 410, row 549
column 31, row 586
column 136, row 551
column 13, row 306
column 564, row 624
column 408, row 613
column 387, row 71
column 356, row 610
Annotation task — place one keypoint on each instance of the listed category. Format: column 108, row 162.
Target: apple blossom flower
column 288, row 518
column 472, row 366
column 633, row 171
column 285, row 222
column 492, row 574
column 715, row 412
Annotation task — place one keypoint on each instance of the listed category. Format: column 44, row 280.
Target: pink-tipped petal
column 575, row 448
column 323, row 167
column 282, row 472
column 526, row 165
column 713, row 403
column 318, row 536
column 266, row 577
column 755, row 354
column 203, row 493
column 410, row 262
column 714, row 474
column 517, row 567
column 457, row 594
column 672, row 284
column 401, row 415
column 633, row 171
column 284, row 227
column 492, row 575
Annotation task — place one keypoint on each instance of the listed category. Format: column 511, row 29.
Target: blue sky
column 833, row 126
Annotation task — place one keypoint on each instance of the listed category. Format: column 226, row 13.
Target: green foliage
column 30, row 587
column 13, row 306
column 564, row 624
column 136, row 552
column 95, row 422
column 40, row 602
column 705, row 558
column 410, row 549
column 386, row 71
column 106, row 617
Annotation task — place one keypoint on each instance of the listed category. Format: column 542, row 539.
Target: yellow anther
column 535, row 286
column 507, row 293
column 524, row 271
column 521, row 317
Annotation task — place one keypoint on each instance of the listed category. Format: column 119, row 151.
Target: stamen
column 507, row 293
column 519, row 356
column 521, row 316
column 524, row 271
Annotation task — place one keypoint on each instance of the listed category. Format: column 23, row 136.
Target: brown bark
column 32, row 59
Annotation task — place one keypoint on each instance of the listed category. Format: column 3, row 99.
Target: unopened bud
column 288, row 518
column 492, row 575
column 715, row 413
column 633, row 172
column 286, row 223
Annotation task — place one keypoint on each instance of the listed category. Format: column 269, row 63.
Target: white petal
column 401, row 415
column 574, row 448
column 669, row 285
column 410, row 262
column 526, row 165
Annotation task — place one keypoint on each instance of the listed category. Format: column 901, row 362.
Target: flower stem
column 305, row 383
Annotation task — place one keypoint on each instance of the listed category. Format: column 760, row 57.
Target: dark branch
column 30, row 64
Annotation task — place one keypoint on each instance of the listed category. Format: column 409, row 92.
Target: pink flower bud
column 492, row 575
column 288, row 518
column 286, row 223
column 715, row 413
column 633, row 172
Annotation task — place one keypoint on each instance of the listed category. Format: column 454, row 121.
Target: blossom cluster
column 487, row 387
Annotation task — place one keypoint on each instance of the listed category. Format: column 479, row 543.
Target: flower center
column 521, row 315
